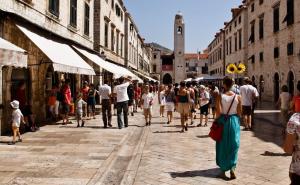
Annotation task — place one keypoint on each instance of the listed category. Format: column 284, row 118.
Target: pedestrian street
column 157, row 155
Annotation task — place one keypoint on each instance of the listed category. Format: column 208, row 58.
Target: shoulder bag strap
column 230, row 105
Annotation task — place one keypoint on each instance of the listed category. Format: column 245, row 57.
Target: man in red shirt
column 137, row 95
column 66, row 91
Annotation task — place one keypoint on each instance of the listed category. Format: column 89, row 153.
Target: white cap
column 15, row 104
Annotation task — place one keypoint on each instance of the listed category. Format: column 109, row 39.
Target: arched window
column 179, row 30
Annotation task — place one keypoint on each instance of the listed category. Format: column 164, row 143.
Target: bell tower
column 179, row 49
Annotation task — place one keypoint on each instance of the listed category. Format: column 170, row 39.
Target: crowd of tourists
column 226, row 104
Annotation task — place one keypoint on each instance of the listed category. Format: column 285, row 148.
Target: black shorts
column 204, row 110
column 130, row 102
column 246, row 110
column 65, row 108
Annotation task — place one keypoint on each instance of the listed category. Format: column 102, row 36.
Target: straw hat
column 202, row 87
column 14, row 104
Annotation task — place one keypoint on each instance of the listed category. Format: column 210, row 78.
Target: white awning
column 64, row 58
column 12, row 55
column 118, row 71
column 145, row 76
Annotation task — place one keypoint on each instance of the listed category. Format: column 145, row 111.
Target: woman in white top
column 284, row 103
column 162, row 100
column 228, row 112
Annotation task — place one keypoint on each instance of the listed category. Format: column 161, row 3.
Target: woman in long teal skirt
column 228, row 114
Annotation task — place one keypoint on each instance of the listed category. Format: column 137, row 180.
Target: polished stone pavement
column 157, row 155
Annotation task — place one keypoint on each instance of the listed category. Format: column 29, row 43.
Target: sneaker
column 186, row 128
column 20, row 140
column 149, row 123
column 199, row 125
column 82, row 125
column 110, row 125
column 192, row 123
column 132, row 114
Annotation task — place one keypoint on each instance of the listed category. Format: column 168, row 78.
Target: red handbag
column 216, row 129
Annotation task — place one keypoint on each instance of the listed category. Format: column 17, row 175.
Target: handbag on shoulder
column 216, row 129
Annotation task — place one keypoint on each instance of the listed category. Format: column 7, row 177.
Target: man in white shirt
column 105, row 93
column 120, row 91
column 248, row 94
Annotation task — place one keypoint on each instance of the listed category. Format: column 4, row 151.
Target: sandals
column 232, row 175
column 223, row 176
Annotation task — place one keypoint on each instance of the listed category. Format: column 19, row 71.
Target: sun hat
column 15, row 104
column 202, row 87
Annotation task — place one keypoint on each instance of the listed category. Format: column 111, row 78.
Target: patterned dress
column 293, row 127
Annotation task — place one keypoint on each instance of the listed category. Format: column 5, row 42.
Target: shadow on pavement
column 166, row 132
column 204, row 136
column 176, row 126
column 212, row 173
column 272, row 154
column 267, row 124
column 137, row 126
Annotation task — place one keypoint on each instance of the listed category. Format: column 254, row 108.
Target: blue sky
column 203, row 18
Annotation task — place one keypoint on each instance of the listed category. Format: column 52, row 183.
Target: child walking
column 79, row 109
column 17, row 118
column 147, row 102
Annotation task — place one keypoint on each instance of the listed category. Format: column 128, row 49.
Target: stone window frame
column 290, row 13
column 86, row 18
column 73, row 7
column 276, row 52
column 112, row 37
column 252, row 32
column 276, row 25
column 261, row 56
column 290, row 49
column 106, row 31
column 261, row 28
column 252, row 7
column 53, row 12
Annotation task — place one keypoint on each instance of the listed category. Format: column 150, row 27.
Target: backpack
column 130, row 92
column 60, row 96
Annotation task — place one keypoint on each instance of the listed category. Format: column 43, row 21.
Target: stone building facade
column 109, row 30
column 216, row 55
column 196, row 64
column 131, row 40
column 272, row 52
column 62, row 21
column 274, row 45
column 236, row 37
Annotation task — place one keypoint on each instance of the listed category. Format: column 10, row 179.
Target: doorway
column 276, row 87
column 290, row 82
column 167, row 79
column 261, row 86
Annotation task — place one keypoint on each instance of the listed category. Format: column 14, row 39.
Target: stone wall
column 37, row 13
column 270, row 66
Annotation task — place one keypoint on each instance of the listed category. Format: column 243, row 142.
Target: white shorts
column 170, row 106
